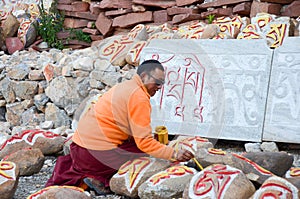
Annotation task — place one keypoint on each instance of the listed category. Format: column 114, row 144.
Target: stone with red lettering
column 60, row 192
column 169, row 183
column 263, row 7
column 46, row 141
column 292, row 10
column 188, row 2
column 133, row 55
column 191, row 143
column 181, row 10
column 131, row 19
column 293, row 172
column 219, row 181
column 116, row 4
column 75, row 23
column 133, row 173
column 13, row 44
column 161, row 16
column 211, row 156
column 77, row 6
column 276, row 162
column 185, row 17
column 295, row 181
column 29, row 161
column 8, row 181
column 276, row 187
column 242, row 9
column 156, row 3
column 104, row 24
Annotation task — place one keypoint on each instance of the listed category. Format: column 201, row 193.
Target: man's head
column 152, row 75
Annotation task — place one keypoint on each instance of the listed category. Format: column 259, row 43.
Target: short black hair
column 148, row 66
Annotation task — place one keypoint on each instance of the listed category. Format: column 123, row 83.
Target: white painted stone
column 213, row 88
column 283, row 106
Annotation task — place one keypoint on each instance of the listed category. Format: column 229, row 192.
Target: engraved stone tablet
column 213, row 88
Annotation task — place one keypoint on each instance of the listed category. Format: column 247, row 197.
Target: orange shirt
column 122, row 111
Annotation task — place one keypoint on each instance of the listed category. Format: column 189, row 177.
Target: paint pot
column 161, row 134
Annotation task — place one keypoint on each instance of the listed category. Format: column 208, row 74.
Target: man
column 114, row 130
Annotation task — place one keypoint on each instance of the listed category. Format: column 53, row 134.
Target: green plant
column 81, row 36
column 210, row 18
column 50, row 23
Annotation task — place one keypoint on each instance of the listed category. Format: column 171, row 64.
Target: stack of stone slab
column 102, row 18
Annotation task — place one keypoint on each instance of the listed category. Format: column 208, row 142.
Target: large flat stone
column 220, row 3
column 132, row 19
column 213, row 88
column 283, row 106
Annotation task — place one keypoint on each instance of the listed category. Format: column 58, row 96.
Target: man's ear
column 143, row 76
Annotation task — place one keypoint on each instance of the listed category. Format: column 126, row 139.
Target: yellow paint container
column 161, row 134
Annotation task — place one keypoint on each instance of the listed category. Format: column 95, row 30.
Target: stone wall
column 101, row 19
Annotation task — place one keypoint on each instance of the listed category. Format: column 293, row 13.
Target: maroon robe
column 101, row 165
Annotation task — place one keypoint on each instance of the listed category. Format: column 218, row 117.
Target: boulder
column 60, row 192
column 169, row 183
column 9, row 179
column 219, row 181
column 135, row 172
column 29, row 161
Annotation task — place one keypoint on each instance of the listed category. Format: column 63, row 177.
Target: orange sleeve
column 139, row 120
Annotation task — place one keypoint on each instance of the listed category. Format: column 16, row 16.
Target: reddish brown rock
column 292, row 10
column 105, row 4
column 242, row 9
column 221, row 3
column 132, row 19
column 83, row 15
column 95, row 8
column 13, row 44
column 187, row 2
column 161, row 16
column 77, row 6
column 185, row 17
column 258, row 7
column 66, row 1
column 29, row 161
column 75, row 23
column 278, row 1
column 156, row 3
column 117, row 12
column 96, row 38
column 91, row 31
column 181, row 10
column 76, row 42
column 219, row 12
column 104, row 24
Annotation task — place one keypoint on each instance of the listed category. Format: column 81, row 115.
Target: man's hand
column 183, row 155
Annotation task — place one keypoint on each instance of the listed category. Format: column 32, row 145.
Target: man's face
column 154, row 81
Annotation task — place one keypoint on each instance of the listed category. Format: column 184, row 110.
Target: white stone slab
column 214, row 88
column 283, row 106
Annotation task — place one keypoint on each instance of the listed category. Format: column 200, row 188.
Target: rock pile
column 225, row 174
column 104, row 18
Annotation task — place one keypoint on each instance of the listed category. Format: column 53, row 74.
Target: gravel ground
column 30, row 184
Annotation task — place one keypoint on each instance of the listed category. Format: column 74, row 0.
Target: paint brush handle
column 197, row 163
